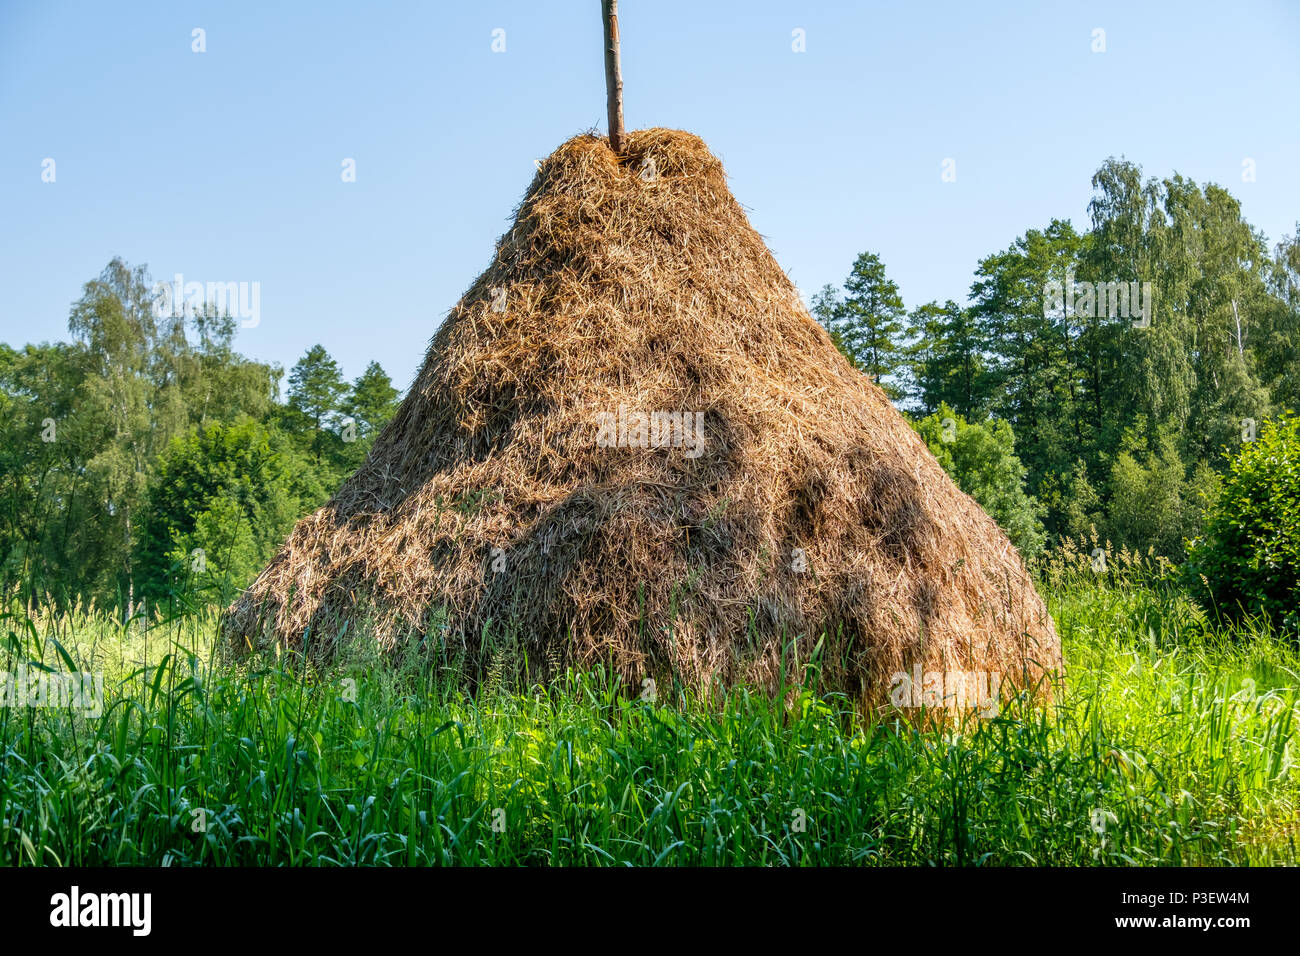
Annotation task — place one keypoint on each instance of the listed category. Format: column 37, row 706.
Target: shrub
column 231, row 492
column 1248, row 558
column 980, row 458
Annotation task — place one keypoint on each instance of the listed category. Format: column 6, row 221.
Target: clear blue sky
column 225, row 165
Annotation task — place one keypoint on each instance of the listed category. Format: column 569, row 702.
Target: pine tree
column 316, row 389
column 867, row 323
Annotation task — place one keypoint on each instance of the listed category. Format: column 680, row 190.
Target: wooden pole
column 613, row 77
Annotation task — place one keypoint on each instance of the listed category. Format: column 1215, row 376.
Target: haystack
column 631, row 444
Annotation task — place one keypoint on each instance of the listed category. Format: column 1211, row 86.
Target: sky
column 228, row 165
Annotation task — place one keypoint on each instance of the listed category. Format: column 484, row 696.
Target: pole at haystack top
column 613, row 77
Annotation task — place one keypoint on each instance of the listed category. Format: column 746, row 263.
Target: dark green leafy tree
column 825, row 308
column 1154, row 502
column 946, row 359
column 220, row 384
column 1033, row 382
column 52, row 537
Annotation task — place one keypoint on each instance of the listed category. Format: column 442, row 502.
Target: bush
column 980, row 458
column 1248, row 558
column 222, row 501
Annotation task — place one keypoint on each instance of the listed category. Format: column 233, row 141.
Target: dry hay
column 639, row 283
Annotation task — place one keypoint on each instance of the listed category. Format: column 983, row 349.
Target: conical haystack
column 511, row 500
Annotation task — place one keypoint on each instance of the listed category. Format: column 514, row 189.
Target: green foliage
column 1153, row 501
column 1139, row 406
column 1037, row 376
column 83, row 426
column 369, row 406
column 1072, row 503
column 316, row 391
column 52, row 536
column 867, row 323
column 128, row 403
column 1248, row 559
column 1276, row 346
column 980, row 457
column 946, row 358
column 223, row 499
column 220, row 384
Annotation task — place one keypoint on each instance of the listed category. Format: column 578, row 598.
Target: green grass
column 1176, row 734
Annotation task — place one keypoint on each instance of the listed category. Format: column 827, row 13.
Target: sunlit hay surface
column 640, row 283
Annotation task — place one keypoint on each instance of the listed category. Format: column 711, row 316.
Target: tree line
column 1125, row 359
column 146, row 452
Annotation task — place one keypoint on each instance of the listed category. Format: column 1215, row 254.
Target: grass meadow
column 1173, row 742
